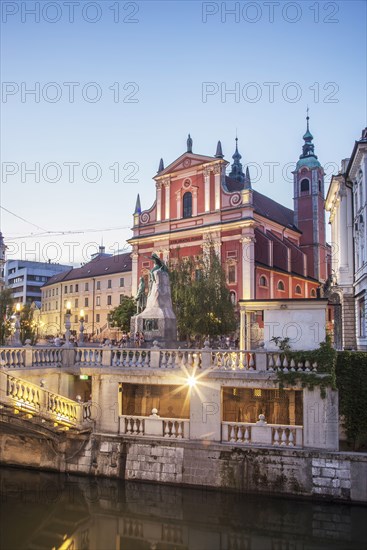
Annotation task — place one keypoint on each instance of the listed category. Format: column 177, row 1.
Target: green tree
column 6, row 307
column 201, row 298
column 121, row 315
column 28, row 324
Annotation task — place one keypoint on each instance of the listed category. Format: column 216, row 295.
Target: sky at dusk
column 118, row 85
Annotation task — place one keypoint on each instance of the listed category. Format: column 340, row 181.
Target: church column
column 166, row 185
column 217, row 180
column 207, row 189
column 194, row 201
column 178, row 204
column 134, row 271
column 159, row 201
column 248, row 266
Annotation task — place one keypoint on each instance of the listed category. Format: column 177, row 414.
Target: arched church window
column 281, row 285
column 298, row 289
column 305, row 186
column 187, row 205
column 313, row 293
column 263, row 281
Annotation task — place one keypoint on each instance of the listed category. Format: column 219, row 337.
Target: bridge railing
column 249, row 361
column 27, row 399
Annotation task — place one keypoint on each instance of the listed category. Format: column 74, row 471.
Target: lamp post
column 81, row 326
column 67, row 324
column 17, row 341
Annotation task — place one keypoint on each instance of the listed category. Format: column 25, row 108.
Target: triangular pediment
column 186, row 161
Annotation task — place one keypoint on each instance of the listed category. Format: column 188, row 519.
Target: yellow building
column 96, row 288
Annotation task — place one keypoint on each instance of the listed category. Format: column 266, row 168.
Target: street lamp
column 17, row 341
column 81, row 326
column 67, row 324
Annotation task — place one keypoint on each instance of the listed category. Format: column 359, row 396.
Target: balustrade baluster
column 252, row 362
column 146, row 360
column 177, row 360
column 173, row 430
column 133, row 359
column 140, row 358
column 128, row 426
column 189, row 358
column 233, row 434
column 240, row 434
column 276, row 437
column 293, row 364
column 285, row 364
column 166, row 428
column 284, row 438
column 278, row 361
column 307, row 366
column 169, row 362
column 299, row 366
column 163, row 360
column 291, row 438
column 135, row 432
column 114, row 358
column 179, row 430
column 247, row 435
column 314, row 366
column 244, row 360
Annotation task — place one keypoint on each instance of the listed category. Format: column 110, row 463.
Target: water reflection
column 50, row 511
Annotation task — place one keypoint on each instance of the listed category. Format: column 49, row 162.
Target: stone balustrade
column 154, row 426
column 280, row 362
column 245, row 361
column 261, row 433
column 28, row 399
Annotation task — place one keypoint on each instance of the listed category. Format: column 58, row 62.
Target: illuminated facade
column 267, row 250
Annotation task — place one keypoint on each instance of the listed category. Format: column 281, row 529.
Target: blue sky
column 159, row 55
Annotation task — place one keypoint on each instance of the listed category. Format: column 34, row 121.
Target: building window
column 98, row 285
column 198, row 274
column 232, row 295
column 57, row 292
column 231, row 274
column 320, row 188
column 362, row 318
column 76, row 288
column 187, row 205
column 122, row 281
column 305, row 186
column 98, row 300
column 281, row 286
column 53, row 292
column 313, row 293
column 263, row 281
column 86, row 318
column 298, row 289
column 109, row 283
column 71, row 288
column 86, row 302
column 86, row 287
column 98, row 317
column 66, row 289
column 57, row 305
column 109, row 300
column 76, row 303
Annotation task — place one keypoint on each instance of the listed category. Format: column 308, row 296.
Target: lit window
column 86, row 318
column 76, row 303
column 86, row 302
column 98, row 300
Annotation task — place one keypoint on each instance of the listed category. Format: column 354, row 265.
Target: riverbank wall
column 334, row 476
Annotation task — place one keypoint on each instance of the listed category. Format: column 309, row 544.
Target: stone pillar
column 159, row 201
column 105, row 392
column 207, row 189
column 320, row 419
column 248, row 266
column 178, row 204
column 194, row 201
column 205, row 411
column 166, row 185
column 134, row 271
column 292, row 407
column 217, row 180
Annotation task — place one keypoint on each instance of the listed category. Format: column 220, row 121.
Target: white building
column 346, row 202
column 96, row 288
column 25, row 278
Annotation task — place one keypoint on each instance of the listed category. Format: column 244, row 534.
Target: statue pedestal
column 157, row 321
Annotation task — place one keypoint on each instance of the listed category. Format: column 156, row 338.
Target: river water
column 53, row 511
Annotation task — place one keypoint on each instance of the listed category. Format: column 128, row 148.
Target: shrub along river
column 53, row 511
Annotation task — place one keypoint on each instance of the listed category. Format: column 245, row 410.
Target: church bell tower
column 309, row 212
